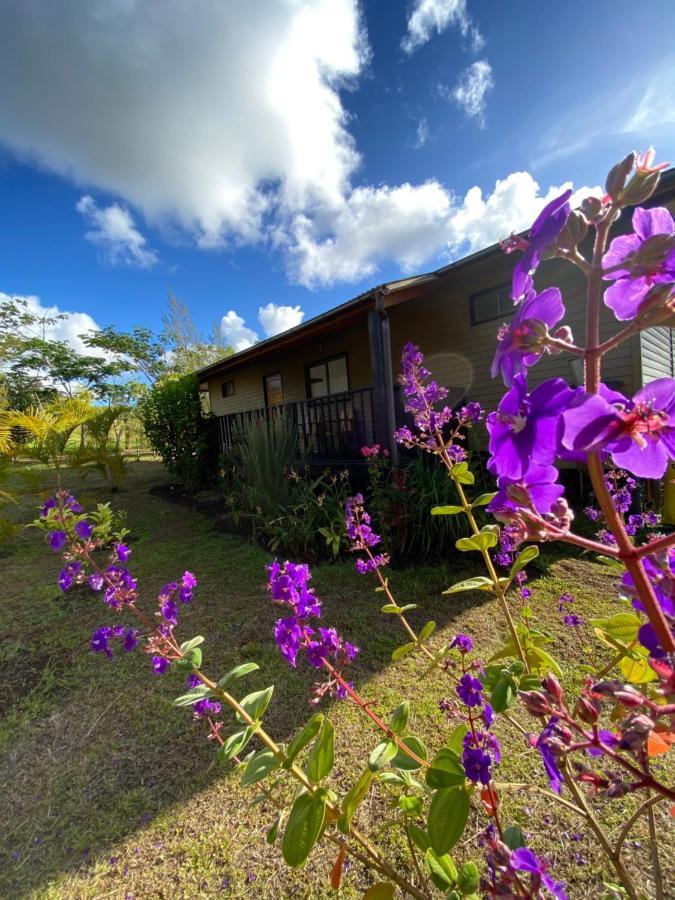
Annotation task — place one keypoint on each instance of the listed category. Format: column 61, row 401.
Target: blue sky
column 288, row 160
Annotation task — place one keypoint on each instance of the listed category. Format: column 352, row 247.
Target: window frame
column 324, row 361
column 477, row 294
column 225, row 394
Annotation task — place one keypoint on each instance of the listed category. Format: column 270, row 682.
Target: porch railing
column 330, row 429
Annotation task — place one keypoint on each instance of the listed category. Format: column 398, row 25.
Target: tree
column 188, row 349
column 138, row 350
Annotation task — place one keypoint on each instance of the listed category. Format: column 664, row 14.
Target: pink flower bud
column 587, row 710
column 535, row 702
column 553, row 687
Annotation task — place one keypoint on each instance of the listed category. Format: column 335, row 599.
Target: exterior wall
column 460, row 354
column 248, row 380
column 657, row 354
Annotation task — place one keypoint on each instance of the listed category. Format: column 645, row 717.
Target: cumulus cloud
column 471, row 88
column 429, row 16
column 67, row 326
column 213, row 119
column 275, row 319
column 236, row 333
column 112, row 229
column 413, row 224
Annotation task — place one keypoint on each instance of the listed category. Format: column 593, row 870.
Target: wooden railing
column 330, row 429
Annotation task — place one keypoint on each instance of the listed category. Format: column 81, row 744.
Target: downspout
column 388, row 375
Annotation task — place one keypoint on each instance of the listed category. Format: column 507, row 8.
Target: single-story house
column 335, row 375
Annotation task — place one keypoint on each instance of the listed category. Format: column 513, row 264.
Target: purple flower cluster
column 120, row 587
column 206, row 708
column 323, row 646
column 362, row 536
column 516, row 873
column 166, row 600
column 660, row 569
column 70, row 574
column 100, row 639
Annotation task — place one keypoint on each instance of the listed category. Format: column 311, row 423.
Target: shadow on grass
column 93, row 751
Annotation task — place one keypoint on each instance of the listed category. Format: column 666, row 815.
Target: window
column 495, row 303
column 227, row 388
column 330, row 376
column 274, row 393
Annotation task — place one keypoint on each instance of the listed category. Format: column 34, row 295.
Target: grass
column 110, row 791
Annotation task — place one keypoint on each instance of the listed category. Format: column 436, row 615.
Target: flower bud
column 618, row 176
column 630, row 697
column 573, row 233
column 587, row 710
column 635, row 731
column 652, row 254
column 553, row 687
column 535, row 702
column 593, row 210
column 564, row 333
column 641, row 186
column 618, row 789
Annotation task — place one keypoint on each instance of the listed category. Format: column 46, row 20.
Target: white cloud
column 471, row 88
column 413, row 224
column 236, row 333
column 656, row 107
column 428, row 16
column 65, row 329
column 207, row 117
column 112, row 229
column 421, row 134
column 275, row 319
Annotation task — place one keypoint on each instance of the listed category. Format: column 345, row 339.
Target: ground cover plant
column 597, row 741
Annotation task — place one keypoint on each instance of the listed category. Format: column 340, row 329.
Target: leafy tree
column 138, row 350
column 188, row 349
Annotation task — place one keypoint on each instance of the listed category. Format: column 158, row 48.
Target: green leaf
column 235, row 743
column 399, row 718
column 524, row 557
column 391, row 608
column 480, row 583
column 446, row 770
column 446, row 510
column 622, row 627
column 503, row 694
column 354, row 796
column 457, row 735
column 427, row 630
column 460, row 472
column 405, row 762
column 468, row 878
column 447, row 818
column 259, row 766
column 482, row 541
column 408, row 606
column 383, row 890
column 418, row 836
column 303, row 828
column 411, row 806
column 484, row 499
column 303, row 738
column 193, row 642
column 273, row 832
column 514, row 837
column 542, row 661
column 256, row 703
column 197, row 693
column 236, row 673
column 320, row 760
column 610, row 562
column 636, row 669
column 403, row 650
column 192, row 659
column 381, row 755
column 442, row 870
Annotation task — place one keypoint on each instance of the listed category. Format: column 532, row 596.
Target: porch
column 331, row 430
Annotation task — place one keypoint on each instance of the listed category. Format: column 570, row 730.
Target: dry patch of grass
column 110, row 791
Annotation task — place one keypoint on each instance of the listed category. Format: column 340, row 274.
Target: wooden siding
column 248, row 380
column 657, row 354
column 460, row 354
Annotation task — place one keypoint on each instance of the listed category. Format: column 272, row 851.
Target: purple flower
column 564, row 598
column 57, row 539
column 189, row 581
column 193, row 680
column 160, row 665
column 68, row 574
column 46, row 506
column 524, row 860
column 288, row 584
column 470, row 690
column 206, row 707
column 169, row 612
column 644, row 259
column 83, row 530
column 99, row 641
column 71, row 503
column 122, row 552
column 95, row 581
column 422, row 396
column 130, row 639
column 536, row 489
column 121, row 588
column 185, row 595
column 332, row 647
column 522, row 343
column 462, row 642
column 288, row 638
column 527, row 427
column 477, row 765
column 357, row 523
column 364, row 566
column 639, row 433
column 573, row 621
column 545, row 744
column 547, row 226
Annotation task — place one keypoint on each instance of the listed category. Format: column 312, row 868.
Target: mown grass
column 110, row 791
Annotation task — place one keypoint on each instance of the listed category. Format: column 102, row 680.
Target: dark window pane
column 338, row 381
column 318, row 380
column 273, row 390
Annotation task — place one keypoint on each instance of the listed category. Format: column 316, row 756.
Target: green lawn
column 110, row 791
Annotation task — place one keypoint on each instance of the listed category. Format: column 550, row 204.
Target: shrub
column 177, row 430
